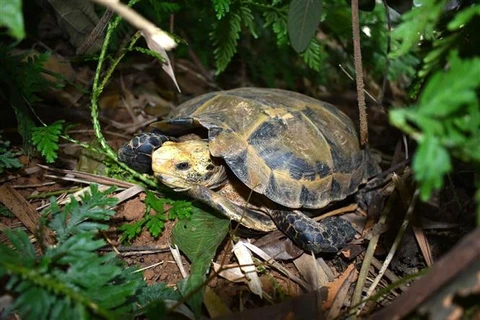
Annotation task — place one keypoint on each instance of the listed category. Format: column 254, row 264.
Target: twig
column 395, row 244
column 139, row 22
column 357, row 57
column 372, row 245
column 96, row 32
column 351, row 78
column 350, row 208
column 464, row 254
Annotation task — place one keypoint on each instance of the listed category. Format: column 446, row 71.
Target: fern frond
column 248, row 20
column 278, row 21
column 8, row 159
column 314, row 55
column 222, row 7
column 225, row 38
column 420, row 21
column 46, row 139
column 69, row 280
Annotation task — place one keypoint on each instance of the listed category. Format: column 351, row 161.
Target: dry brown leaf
column 341, row 294
column 335, row 285
column 24, row 211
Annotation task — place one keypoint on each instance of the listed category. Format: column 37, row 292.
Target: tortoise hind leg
column 328, row 235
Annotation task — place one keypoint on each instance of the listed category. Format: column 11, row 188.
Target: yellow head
column 181, row 165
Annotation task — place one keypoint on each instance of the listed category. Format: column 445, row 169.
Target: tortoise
column 266, row 158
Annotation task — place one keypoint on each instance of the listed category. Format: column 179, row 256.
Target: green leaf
column 130, row 230
column 69, row 280
column 225, row 38
column 315, row 55
column 155, row 224
column 430, row 163
column 418, row 22
column 446, row 92
column 463, row 17
column 8, row 159
column 248, row 20
column 11, row 16
column 154, row 202
column 445, row 122
column 303, row 19
column 181, row 209
column 278, row 21
column 222, row 7
column 46, row 139
column 198, row 239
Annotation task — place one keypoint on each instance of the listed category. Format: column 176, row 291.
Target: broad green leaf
column 430, row 163
column 11, row 16
column 198, row 238
column 303, row 19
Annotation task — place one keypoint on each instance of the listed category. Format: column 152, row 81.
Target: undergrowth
column 8, row 158
column 444, row 116
column 165, row 209
column 71, row 280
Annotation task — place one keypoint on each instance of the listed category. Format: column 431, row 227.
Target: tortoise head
column 181, row 165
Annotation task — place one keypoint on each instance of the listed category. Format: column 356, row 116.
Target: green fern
column 20, row 83
column 446, row 122
column 180, row 209
column 130, row 230
column 8, row 159
column 222, row 7
column 418, row 22
column 277, row 19
column 155, row 223
column 46, row 139
column 225, row 38
column 69, row 280
column 227, row 32
column 314, row 56
column 449, row 39
column 248, row 20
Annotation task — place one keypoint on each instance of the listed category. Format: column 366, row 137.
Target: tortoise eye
column 182, row 165
column 210, row 167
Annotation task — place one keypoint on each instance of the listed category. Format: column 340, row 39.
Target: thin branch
column 357, row 56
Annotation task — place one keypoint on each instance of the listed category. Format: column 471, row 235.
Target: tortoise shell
column 297, row 151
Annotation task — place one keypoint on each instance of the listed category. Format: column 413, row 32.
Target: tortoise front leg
column 249, row 218
column 328, row 235
column 137, row 153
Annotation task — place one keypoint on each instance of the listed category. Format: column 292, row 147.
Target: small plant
column 45, row 139
column 70, row 280
column 20, row 84
column 445, row 121
column 8, row 159
column 155, row 223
